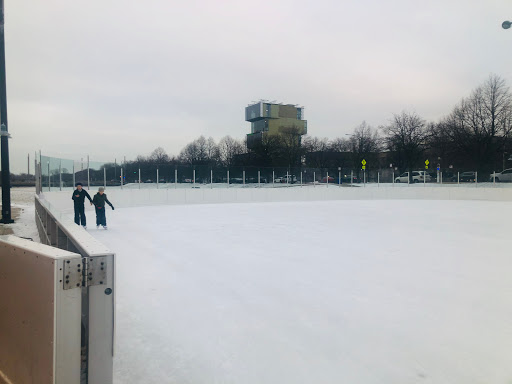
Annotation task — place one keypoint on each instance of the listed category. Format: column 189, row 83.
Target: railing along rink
column 97, row 283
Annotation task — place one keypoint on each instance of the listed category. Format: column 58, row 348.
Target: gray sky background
column 113, row 78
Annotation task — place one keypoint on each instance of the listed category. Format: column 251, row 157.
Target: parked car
column 346, row 179
column 505, row 175
column 324, row 179
column 417, row 177
column 466, row 177
column 286, row 178
column 148, row 181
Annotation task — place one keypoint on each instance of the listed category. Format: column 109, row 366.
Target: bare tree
column 190, row 154
column 317, row 152
column 228, row 148
column 339, row 144
column 159, row 156
column 405, row 137
column 212, row 151
column 291, row 149
column 364, row 143
column 481, row 125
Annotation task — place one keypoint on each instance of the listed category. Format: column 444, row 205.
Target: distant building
column 274, row 119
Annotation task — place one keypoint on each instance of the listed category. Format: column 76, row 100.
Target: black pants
column 100, row 216
column 80, row 215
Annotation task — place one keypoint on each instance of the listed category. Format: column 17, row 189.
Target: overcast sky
column 114, row 78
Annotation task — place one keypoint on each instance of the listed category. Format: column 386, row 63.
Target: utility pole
column 6, row 173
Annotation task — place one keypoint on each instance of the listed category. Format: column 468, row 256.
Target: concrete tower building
column 274, row 119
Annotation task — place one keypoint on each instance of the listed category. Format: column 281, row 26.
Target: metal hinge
column 72, row 277
column 94, row 271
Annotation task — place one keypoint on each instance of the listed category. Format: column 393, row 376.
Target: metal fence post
column 393, row 176
column 301, row 178
column 60, row 175
column 121, row 178
column 476, row 179
column 243, row 177
column 327, row 185
column 287, row 177
column 351, row 178
column 194, row 178
column 273, row 179
column 314, row 178
column 175, row 178
column 378, row 179
column 441, row 175
column 139, row 178
column 339, row 177
column 228, row 178
column 364, row 177
column 88, row 175
column 458, row 179
column 157, row 179
column 258, row 177
column 104, row 177
column 494, row 178
column 49, row 180
column 211, row 178
column 74, row 180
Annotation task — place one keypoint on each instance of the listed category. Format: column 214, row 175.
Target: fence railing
column 58, row 174
column 96, row 278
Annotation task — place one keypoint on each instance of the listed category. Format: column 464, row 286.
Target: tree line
column 475, row 135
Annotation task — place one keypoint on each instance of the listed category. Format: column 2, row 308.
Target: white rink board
column 130, row 197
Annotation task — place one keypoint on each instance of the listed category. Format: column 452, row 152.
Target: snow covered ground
column 313, row 292
column 24, row 224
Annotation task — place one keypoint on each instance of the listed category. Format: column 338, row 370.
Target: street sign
column 364, row 167
column 426, row 166
column 427, row 162
column 363, row 162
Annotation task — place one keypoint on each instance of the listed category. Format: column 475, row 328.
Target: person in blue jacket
column 79, row 195
column 99, row 201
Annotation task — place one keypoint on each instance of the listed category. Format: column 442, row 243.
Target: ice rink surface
column 315, row 292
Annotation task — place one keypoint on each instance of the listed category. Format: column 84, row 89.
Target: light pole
column 6, row 173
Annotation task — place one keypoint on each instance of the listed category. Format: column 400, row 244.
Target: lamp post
column 6, row 173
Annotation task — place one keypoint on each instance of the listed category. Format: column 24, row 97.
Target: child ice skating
column 79, row 195
column 99, row 201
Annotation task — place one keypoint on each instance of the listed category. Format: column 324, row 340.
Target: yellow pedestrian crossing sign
column 363, row 162
column 364, row 167
column 427, row 163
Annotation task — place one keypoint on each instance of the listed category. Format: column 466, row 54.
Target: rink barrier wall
column 39, row 318
column 143, row 197
column 57, row 229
